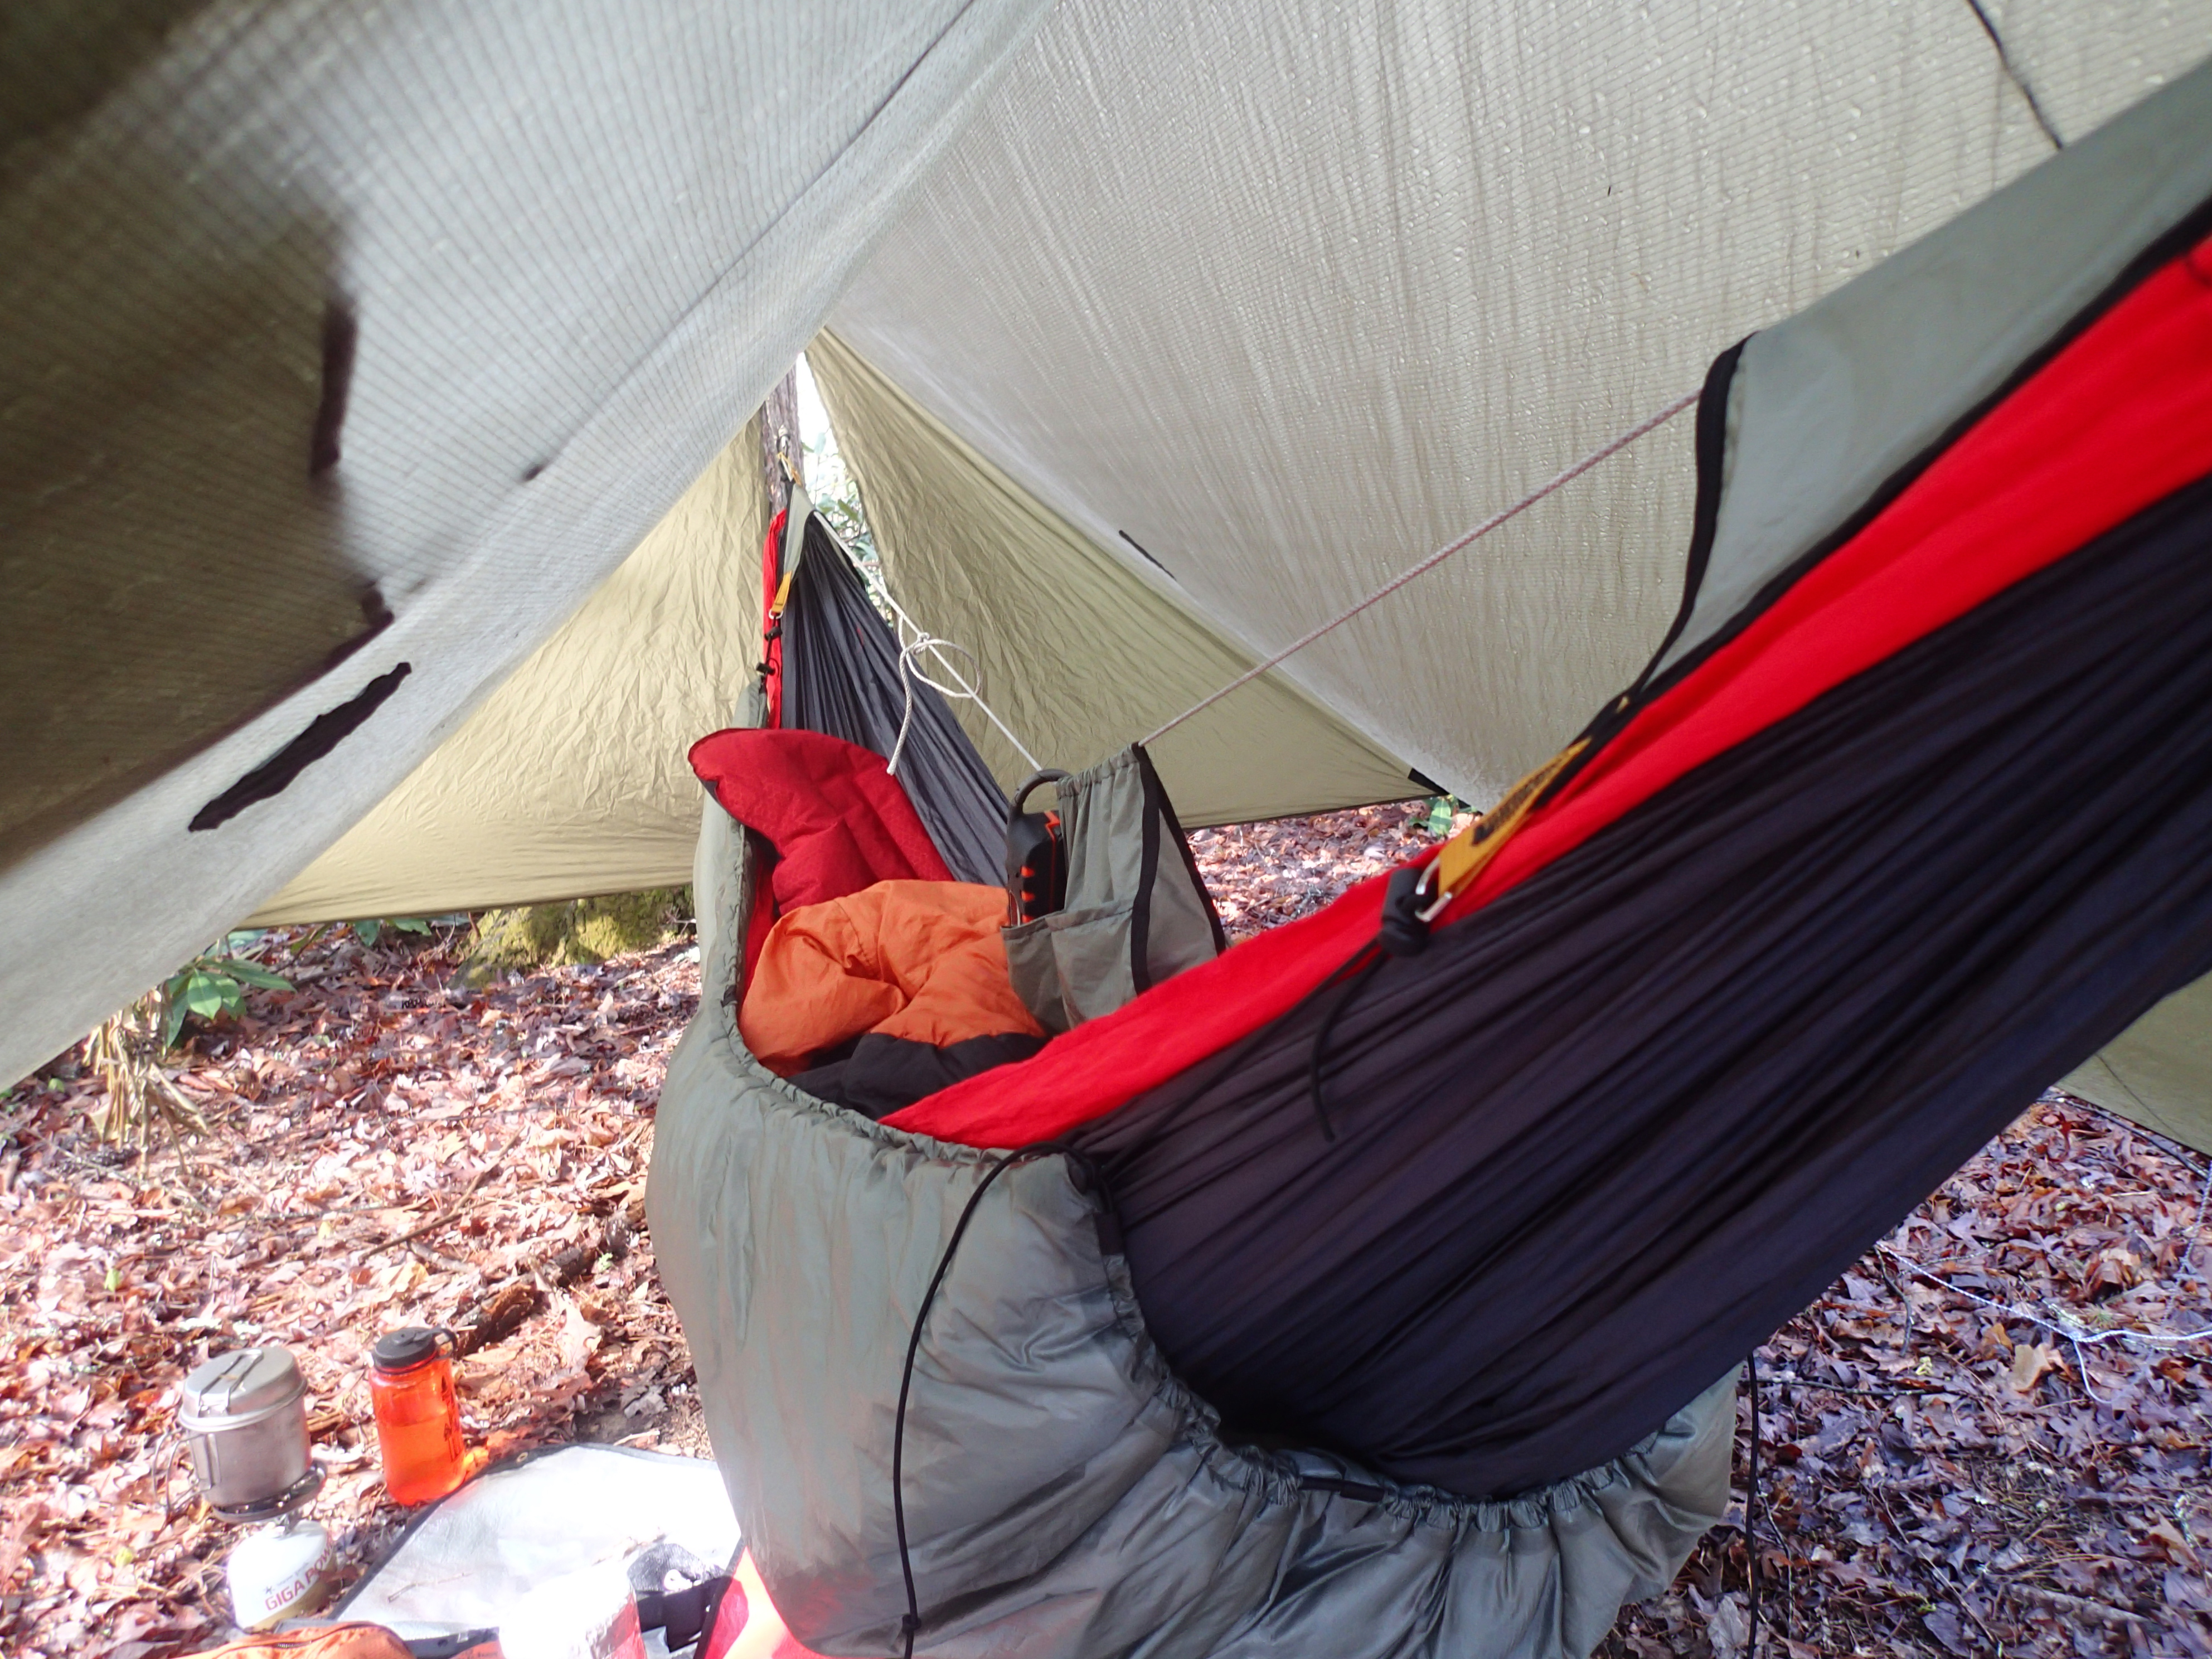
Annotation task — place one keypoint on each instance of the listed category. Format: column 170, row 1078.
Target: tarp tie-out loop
column 1556, row 482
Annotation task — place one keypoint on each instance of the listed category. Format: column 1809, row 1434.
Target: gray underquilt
column 1065, row 1495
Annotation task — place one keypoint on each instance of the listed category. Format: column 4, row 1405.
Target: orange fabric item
column 920, row 960
column 764, row 1635
column 355, row 1641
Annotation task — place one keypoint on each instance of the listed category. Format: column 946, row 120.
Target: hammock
column 845, row 674
column 1347, row 1295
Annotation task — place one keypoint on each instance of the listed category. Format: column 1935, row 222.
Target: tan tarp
column 2159, row 1071
column 1325, row 285
column 570, row 779
column 1290, row 293
column 1081, row 654
column 1293, row 293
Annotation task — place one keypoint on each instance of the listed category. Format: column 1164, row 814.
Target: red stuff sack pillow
column 838, row 820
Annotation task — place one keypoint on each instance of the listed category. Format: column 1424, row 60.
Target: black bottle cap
column 404, row 1349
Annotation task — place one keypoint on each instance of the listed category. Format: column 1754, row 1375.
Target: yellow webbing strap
column 782, row 593
column 1463, row 858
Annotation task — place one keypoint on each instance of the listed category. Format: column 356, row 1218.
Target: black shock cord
column 911, row 1622
column 1351, row 976
column 1403, row 931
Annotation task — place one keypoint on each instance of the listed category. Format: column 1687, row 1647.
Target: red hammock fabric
column 2119, row 419
column 772, row 636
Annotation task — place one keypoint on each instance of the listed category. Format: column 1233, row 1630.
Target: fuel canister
column 277, row 1573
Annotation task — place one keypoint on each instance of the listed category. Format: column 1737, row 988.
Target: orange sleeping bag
column 911, row 974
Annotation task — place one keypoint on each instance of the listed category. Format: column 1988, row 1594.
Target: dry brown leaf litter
column 1944, row 1476
column 383, row 1151
column 1937, row 1478
column 1261, row 875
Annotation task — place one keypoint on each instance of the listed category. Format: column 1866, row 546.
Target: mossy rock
column 576, row 933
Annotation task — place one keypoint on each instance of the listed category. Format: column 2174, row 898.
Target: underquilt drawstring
column 910, row 1621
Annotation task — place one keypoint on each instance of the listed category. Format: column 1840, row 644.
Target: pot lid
column 242, row 1383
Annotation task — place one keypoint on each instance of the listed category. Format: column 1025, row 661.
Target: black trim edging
column 323, row 733
column 1712, row 425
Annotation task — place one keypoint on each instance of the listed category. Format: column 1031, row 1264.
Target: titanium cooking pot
column 244, row 1416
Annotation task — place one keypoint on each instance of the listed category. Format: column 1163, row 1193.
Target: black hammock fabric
column 841, row 677
column 1610, row 1132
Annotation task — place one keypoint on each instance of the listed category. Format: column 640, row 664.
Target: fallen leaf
column 2165, row 1540
column 580, row 1338
column 2030, row 1360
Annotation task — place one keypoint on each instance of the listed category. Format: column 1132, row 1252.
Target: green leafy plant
column 372, row 929
column 836, row 495
column 126, row 1049
column 212, row 985
column 1442, row 810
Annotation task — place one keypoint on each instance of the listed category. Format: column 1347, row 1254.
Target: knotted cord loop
column 914, row 640
column 909, row 673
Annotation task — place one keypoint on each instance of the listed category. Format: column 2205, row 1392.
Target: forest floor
column 1989, row 1436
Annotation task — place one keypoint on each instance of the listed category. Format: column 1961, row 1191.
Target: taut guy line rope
column 1436, row 558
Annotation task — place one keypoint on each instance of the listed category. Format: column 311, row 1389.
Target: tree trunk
column 779, row 430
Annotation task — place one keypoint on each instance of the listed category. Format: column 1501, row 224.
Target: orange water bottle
column 418, row 1420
